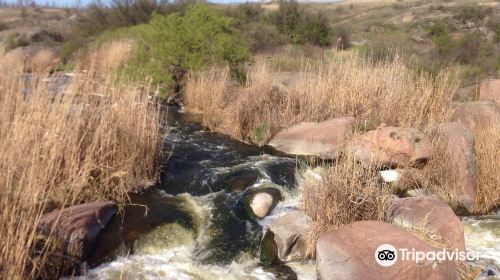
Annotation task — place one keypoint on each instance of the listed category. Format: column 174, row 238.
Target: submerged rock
column 477, row 114
column 324, row 139
column 391, row 147
column 350, row 253
column 76, row 229
column 285, row 239
column 459, row 142
column 431, row 213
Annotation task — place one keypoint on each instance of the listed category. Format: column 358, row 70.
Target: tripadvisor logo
column 387, row 255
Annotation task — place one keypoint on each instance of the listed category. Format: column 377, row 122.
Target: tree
column 175, row 44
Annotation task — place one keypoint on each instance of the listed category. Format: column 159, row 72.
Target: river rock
column 434, row 213
column 460, row 149
column 285, row 239
column 323, row 139
column 391, row 147
column 490, row 91
column 259, row 202
column 349, row 253
column 477, row 114
column 76, row 229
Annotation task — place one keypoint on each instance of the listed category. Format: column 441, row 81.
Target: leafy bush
column 494, row 24
column 472, row 12
column 119, row 13
column 300, row 27
column 249, row 20
column 245, row 13
column 262, row 36
column 175, row 44
column 288, row 20
column 3, row 26
column 468, row 47
column 343, row 38
column 16, row 40
column 318, row 31
column 444, row 43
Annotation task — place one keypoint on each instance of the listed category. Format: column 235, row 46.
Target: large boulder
column 460, row 149
column 391, row 147
column 285, row 238
column 350, row 253
column 323, row 139
column 432, row 213
column 490, row 90
column 75, row 230
column 477, row 114
column 259, row 202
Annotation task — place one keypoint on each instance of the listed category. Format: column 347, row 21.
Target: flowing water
column 196, row 227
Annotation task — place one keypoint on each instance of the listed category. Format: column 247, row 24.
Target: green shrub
column 472, row 12
column 16, row 40
column 3, row 26
column 318, row 31
column 174, row 44
column 494, row 24
column 443, row 43
column 300, row 27
column 262, row 36
column 343, row 38
column 119, row 13
column 288, row 20
column 437, row 28
column 245, row 13
column 258, row 133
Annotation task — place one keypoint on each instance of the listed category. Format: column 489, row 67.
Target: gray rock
column 285, row 239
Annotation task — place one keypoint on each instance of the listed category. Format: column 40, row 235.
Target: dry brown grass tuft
column 443, row 180
column 348, row 192
column 96, row 140
column 104, row 60
column 207, row 92
column 487, row 164
column 382, row 93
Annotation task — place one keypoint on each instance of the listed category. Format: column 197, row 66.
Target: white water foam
column 483, row 236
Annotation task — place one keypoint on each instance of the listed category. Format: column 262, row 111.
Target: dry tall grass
column 487, row 163
column 441, row 173
column 382, row 93
column 209, row 94
column 347, row 192
column 94, row 140
column 443, row 179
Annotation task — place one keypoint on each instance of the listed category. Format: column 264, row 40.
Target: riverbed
column 208, row 237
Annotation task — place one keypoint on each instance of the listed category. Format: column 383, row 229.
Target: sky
column 66, row 3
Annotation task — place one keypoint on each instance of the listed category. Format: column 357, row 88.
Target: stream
column 195, row 227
